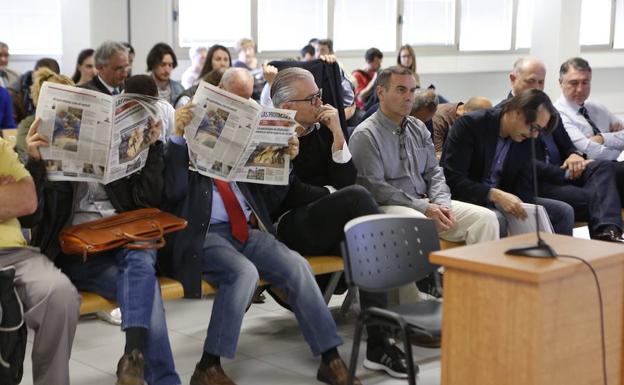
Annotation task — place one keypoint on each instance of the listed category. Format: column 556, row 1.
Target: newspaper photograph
column 93, row 136
column 235, row 139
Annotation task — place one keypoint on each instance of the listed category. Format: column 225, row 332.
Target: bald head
column 476, row 103
column 238, row 81
column 528, row 73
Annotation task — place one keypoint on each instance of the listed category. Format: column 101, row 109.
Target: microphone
column 541, row 249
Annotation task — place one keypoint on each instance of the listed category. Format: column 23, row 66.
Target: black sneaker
column 387, row 357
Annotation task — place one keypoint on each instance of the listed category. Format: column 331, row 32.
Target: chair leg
column 411, row 375
column 331, row 286
column 355, row 350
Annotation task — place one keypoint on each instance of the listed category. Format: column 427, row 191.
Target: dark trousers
column 593, row 196
column 318, row 229
column 619, row 179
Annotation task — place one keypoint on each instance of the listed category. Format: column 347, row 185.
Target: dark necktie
column 115, row 91
column 238, row 223
column 583, row 111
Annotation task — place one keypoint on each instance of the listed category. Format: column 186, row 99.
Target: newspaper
column 94, row 137
column 236, row 139
column 517, row 226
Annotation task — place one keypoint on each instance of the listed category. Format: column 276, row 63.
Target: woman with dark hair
column 218, row 57
column 407, row 58
column 85, row 67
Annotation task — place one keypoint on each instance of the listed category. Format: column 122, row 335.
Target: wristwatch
column 579, row 153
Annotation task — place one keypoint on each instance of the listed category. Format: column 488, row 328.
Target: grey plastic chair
column 384, row 252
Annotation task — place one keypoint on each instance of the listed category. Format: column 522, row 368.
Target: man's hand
column 183, row 117
column 576, row 164
column 328, row 116
column 615, row 127
column 34, row 140
column 443, row 217
column 293, row 147
column 509, row 203
column 330, row 58
column 269, row 72
column 597, row 138
column 155, row 131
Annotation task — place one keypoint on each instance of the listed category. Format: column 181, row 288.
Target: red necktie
column 238, row 223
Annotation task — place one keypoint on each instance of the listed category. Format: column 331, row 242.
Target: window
column 524, row 23
column 429, row 22
column 485, row 25
column 362, row 24
column 213, row 22
column 288, row 25
column 595, row 22
column 618, row 37
column 18, row 19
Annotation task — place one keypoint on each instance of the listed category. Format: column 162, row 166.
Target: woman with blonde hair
column 40, row 76
column 407, row 58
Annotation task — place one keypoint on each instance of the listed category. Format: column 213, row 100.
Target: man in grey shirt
column 396, row 162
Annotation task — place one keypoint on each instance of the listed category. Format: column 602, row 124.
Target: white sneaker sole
column 370, row 365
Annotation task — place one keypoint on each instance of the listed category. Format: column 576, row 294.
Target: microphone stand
column 541, row 249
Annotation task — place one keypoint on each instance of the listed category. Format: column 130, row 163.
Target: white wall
column 457, row 76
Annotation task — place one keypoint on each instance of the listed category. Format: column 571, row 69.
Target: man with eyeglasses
column 111, row 61
column 487, row 159
column 564, row 172
column 316, row 228
column 396, row 162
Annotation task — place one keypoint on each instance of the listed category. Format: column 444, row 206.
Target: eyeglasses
column 534, row 127
column 312, row 98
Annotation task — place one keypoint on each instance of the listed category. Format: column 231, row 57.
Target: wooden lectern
column 529, row 321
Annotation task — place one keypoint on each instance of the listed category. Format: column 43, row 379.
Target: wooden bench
column 172, row 289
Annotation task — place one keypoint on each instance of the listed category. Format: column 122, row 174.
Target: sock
column 207, row 360
column 328, row 355
column 135, row 339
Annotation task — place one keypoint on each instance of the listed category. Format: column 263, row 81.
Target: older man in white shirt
column 593, row 129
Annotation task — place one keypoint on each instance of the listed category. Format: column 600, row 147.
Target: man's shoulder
column 95, row 85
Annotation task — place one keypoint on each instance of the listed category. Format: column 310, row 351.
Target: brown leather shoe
column 214, row 375
column 130, row 369
column 335, row 373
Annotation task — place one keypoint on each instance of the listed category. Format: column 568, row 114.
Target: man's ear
column 380, row 91
column 512, row 78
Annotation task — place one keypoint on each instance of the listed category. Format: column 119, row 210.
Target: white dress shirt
column 580, row 130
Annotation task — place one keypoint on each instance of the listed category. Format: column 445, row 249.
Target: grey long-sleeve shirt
column 397, row 164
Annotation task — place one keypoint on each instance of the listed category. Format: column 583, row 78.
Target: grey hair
column 4, row 45
column 234, row 74
column 284, row 87
column 107, row 50
column 578, row 63
column 425, row 99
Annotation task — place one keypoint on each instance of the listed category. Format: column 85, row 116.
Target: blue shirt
column 218, row 213
column 502, row 148
column 6, row 110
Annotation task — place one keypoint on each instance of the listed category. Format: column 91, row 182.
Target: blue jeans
column 129, row 277
column 234, row 268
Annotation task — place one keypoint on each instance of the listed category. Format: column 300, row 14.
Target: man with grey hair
column 396, row 162
column 111, row 61
column 222, row 246
column 447, row 113
column 7, row 75
column 191, row 74
column 425, row 106
column 593, row 129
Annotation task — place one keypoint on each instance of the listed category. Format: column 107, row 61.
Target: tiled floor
column 271, row 350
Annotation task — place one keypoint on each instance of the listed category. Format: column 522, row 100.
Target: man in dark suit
column 486, row 159
column 111, row 61
column 564, row 172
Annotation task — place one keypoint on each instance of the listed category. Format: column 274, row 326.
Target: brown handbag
column 136, row 229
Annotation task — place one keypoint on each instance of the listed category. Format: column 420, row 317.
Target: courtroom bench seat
column 172, row 289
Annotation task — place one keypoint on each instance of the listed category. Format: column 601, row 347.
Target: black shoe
column 610, row 235
column 389, row 358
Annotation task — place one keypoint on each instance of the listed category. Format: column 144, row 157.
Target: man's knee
column 360, row 200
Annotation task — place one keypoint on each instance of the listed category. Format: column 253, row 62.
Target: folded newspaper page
column 236, row 139
column 94, row 137
column 517, row 226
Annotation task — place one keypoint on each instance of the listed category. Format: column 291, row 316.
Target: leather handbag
column 136, row 229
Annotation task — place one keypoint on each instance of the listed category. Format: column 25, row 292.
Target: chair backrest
column 387, row 251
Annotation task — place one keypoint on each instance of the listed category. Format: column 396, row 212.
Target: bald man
column 448, row 113
column 222, row 247
column 564, row 173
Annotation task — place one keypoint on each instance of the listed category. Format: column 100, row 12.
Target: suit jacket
column 96, row 85
column 468, row 154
